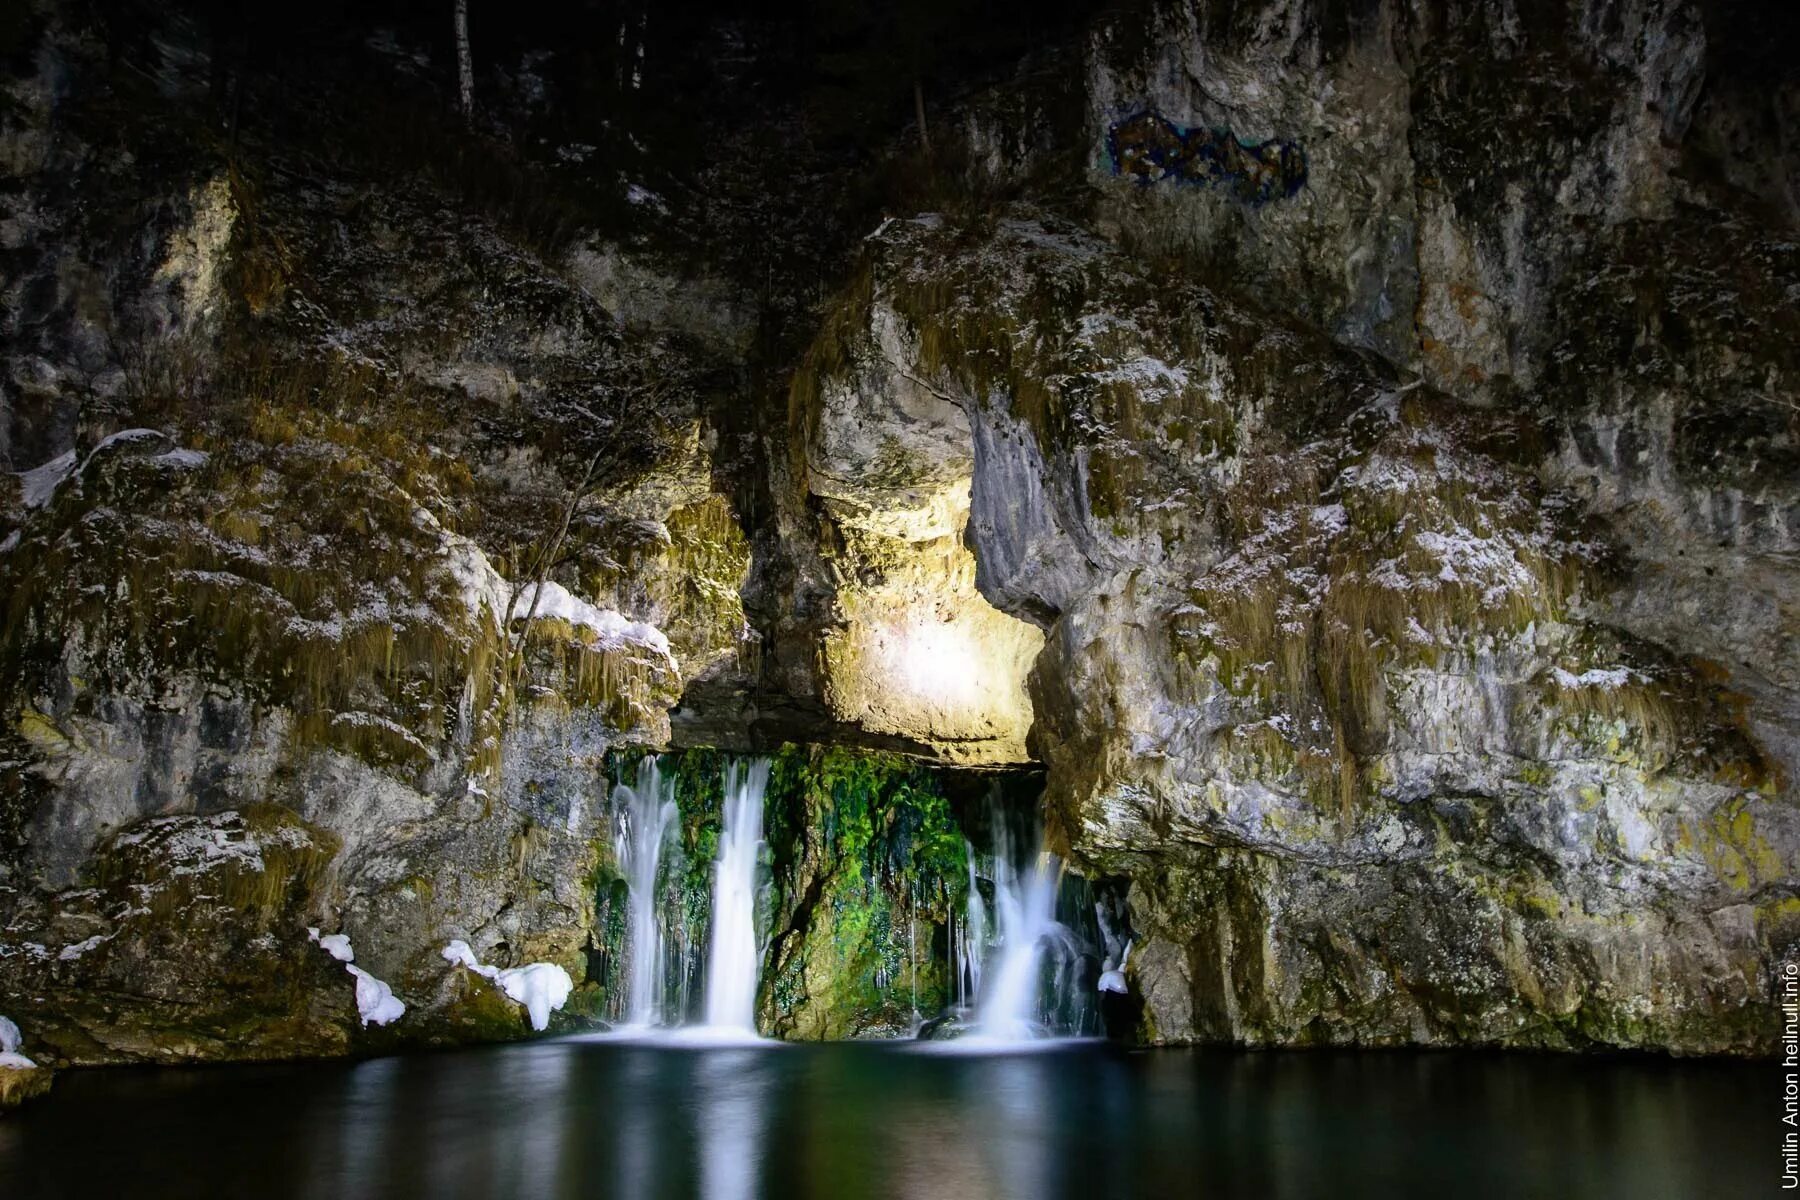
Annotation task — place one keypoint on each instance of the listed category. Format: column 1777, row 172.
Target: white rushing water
column 969, row 944
column 643, row 815
column 733, row 958
column 1011, row 1006
column 1021, row 981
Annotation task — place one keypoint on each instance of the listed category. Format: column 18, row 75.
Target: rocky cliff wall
column 1350, row 448
column 1332, row 671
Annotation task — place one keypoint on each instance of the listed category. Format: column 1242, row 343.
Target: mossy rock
column 479, row 1011
column 17, row 1085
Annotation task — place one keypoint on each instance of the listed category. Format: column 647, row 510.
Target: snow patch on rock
column 75, row 950
column 37, row 487
column 196, row 846
column 10, row 1041
column 484, row 588
column 542, row 988
column 335, row 944
column 1606, row 678
column 459, row 953
column 40, row 483
column 375, row 1000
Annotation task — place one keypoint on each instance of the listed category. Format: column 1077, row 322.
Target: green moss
column 1534, row 774
column 1736, row 852
column 293, row 565
column 478, row 1011
column 866, row 861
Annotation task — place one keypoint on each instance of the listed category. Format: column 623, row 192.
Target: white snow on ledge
column 10, row 1040
column 1606, row 678
column 200, row 845
column 75, row 950
column 38, row 485
column 483, row 587
column 375, row 1000
column 335, row 944
column 554, row 601
column 458, row 952
column 541, row 987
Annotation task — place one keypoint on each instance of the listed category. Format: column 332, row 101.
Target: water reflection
column 634, row 1129
column 528, row 1161
column 638, row 1122
column 734, row 1093
column 351, row 1142
column 1018, row 1150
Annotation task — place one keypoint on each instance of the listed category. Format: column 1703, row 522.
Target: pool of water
column 593, row 1118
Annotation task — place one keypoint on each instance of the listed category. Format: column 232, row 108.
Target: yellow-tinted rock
column 17, row 1085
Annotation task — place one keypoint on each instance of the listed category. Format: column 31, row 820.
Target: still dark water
column 573, row 1118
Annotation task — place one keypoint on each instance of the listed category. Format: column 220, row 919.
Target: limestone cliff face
column 1329, row 674
column 1428, row 699
column 355, row 534
column 1351, row 449
column 1458, row 157
column 916, row 650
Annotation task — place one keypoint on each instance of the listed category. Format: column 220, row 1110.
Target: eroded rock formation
column 1351, row 450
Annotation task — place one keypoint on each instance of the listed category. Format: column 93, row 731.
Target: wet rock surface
column 1351, row 450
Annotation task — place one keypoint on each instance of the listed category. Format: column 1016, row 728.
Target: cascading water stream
column 643, row 816
column 1014, row 963
column 1025, row 913
column 1014, row 1001
column 971, row 939
column 733, row 961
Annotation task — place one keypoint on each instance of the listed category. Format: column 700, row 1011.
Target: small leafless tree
column 552, row 549
column 549, row 555
column 465, row 67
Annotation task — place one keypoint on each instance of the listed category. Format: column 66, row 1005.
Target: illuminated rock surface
column 1375, row 518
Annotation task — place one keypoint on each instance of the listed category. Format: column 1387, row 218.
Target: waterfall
column 971, row 941
column 1025, row 917
column 643, row 816
column 733, row 960
column 1010, row 986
